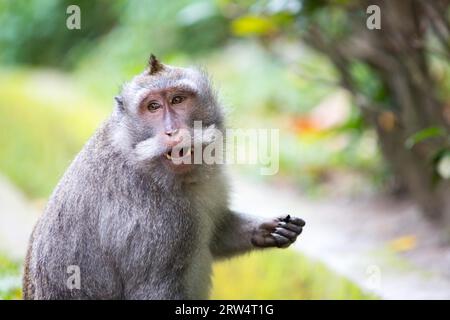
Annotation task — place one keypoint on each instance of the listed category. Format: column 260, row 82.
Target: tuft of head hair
column 154, row 65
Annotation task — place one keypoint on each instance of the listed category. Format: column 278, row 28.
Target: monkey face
column 160, row 106
column 167, row 112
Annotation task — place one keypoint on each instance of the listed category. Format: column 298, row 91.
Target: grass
column 280, row 274
column 45, row 119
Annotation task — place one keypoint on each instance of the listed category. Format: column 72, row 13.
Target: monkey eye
column 153, row 106
column 177, row 99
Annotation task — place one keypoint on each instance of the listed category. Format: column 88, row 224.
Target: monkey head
column 156, row 109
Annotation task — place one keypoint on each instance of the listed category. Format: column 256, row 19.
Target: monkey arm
column 233, row 236
column 238, row 233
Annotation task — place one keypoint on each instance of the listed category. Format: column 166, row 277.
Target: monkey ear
column 119, row 102
column 154, row 65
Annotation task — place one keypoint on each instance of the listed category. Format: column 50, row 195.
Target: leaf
column 422, row 135
column 252, row 25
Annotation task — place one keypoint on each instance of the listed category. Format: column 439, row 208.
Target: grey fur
column 136, row 230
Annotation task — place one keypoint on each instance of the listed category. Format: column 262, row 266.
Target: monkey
column 134, row 223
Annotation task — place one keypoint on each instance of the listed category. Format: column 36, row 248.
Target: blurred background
column 364, row 118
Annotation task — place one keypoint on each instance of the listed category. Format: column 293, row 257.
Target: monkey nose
column 172, row 132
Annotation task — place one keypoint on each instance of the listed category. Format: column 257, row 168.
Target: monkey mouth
column 184, row 153
column 179, row 162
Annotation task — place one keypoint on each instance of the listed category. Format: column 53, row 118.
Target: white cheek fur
column 148, row 149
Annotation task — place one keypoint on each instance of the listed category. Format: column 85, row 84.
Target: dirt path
column 385, row 247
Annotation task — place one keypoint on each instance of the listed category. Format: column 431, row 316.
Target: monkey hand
column 280, row 232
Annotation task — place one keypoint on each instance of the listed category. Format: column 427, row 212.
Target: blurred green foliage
column 42, row 128
column 10, row 279
column 422, row 135
column 34, row 32
column 369, row 84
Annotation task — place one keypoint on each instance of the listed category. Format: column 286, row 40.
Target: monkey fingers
column 269, row 226
column 280, row 232
column 290, row 219
column 270, row 240
column 297, row 221
column 286, row 233
column 263, row 240
column 290, row 226
column 281, row 241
